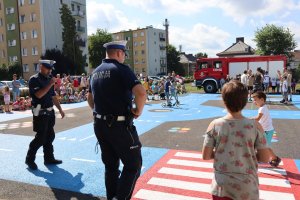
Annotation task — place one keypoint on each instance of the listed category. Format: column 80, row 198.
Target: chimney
column 239, row 39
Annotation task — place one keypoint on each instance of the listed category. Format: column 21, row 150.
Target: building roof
column 296, row 55
column 187, row 58
column 238, row 48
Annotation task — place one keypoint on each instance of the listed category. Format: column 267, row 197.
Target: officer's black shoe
column 31, row 165
column 52, row 162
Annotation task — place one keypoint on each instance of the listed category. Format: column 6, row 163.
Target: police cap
column 116, row 45
column 47, row 63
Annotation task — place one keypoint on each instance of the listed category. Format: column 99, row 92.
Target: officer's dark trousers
column 43, row 126
column 119, row 143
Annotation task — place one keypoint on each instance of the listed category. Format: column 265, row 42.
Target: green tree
column 63, row 63
column 276, row 40
column 201, row 55
column 70, row 46
column 173, row 61
column 96, row 49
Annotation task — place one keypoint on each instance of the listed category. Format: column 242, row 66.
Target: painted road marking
column 188, row 155
column 274, row 171
column 184, row 175
column 84, row 160
column 209, row 175
column 186, row 185
column 87, row 137
column 155, row 195
column 7, row 150
column 190, row 163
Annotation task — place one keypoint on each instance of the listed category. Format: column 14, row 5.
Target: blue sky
column 199, row 26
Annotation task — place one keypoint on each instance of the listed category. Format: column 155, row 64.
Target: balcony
column 162, row 39
column 162, row 47
column 80, row 29
column 81, row 42
column 78, row 13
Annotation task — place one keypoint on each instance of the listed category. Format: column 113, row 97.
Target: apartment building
column 146, row 50
column 29, row 27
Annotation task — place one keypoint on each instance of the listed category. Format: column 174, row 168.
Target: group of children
column 158, row 90
column 237, row 144
column 21, row 103
column 68, row 95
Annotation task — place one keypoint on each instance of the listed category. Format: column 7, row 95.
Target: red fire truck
column 209, row 71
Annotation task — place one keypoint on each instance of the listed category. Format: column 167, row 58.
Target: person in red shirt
column 57, row 84
column 76, row 84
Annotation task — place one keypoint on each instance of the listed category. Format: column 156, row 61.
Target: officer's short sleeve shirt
column 37, row 82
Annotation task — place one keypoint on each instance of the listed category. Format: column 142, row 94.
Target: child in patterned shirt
column 236, row 144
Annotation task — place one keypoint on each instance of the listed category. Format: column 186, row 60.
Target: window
column 2, row 54
column 21, row 2
column 135, row 44
column 72, row 7
column 23, row 35
column 34, row 51
column 22, row 19
column 136, row 61
column 32, row 17
column 117, row 37
column 61, row 1
column 218, row 64
column 78, row 7
column 154, row 33
column 1, row 37
column 127, row 38
column 34, row 34
column 142, row 34
column 203, row 65
column 143, row 60
column 31, row 1
column 36, row 67
column 142, row 43
column 10, row 10
column 0, row 6
column 1, row 22
column 11, row 27
column 143, row 51
column 135, row 53
column 24, row 52
column 135, row 35
column 12, row 43
column 13, row 58
column 25, row 68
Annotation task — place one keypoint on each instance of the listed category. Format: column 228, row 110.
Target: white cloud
column 201, row 38
column 238, row 10
column 106, row 16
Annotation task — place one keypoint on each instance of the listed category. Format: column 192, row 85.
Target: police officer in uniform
column 41, row 88
column 112, row 86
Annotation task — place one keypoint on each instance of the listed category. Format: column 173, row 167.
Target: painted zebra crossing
column 183, row 175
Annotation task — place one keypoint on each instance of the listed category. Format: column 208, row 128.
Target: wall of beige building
column 3, row 43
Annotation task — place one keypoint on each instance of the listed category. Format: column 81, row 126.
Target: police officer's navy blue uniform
column 43, row 121
column 111, row 86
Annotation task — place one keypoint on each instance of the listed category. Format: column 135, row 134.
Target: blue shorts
column 269, row 135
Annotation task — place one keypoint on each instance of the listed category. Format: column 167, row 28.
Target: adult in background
column 258, row 80
column 266, row 82
column 112, row 86
column 244, row 78
column 83, row 82
column 41, row 88
column 289, row 83
column 15, row 88
column 250, row 83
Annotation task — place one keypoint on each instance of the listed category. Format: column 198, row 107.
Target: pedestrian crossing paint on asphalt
column 182, row 175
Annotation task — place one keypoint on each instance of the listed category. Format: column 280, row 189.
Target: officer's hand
column 136, row 112
column 62, row 113
column 53, row 80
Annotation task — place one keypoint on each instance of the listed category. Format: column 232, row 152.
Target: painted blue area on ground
column 82, row 170
column 298, row 165
column 13, row 116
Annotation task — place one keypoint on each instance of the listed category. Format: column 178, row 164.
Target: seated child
column 27, row 102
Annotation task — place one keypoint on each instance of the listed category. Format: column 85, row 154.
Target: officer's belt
column 47, row 109
column 104, row 117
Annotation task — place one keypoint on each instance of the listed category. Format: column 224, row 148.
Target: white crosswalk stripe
column 179, row 173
